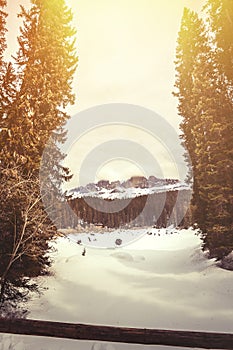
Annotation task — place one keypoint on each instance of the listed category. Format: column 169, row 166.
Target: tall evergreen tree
column 47, row 62
column 213, row 109
column 191, row 47
column 220, row 237
column 205, row 103
column 37, row 96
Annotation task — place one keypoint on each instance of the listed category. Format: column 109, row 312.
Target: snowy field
column 131, row 238
column 162, row 280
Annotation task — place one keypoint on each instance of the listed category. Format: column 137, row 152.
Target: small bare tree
column 25, row 231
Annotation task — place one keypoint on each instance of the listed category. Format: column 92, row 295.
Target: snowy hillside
column 134, row 187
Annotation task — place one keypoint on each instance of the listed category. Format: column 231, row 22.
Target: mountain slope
column 134, row 187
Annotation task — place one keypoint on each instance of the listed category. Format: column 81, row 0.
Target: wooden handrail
column 203, row 340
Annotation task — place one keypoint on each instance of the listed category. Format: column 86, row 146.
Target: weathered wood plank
column 204, row 340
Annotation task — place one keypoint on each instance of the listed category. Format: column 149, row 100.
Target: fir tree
column 47, row 62
column 207, row 97
column 37, row 93
column 191, row 46
column 220, row 231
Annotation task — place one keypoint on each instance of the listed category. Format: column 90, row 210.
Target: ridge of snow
column 125, row 193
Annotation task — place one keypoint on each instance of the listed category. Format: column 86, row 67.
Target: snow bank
column 125, row 193
column 227, row 262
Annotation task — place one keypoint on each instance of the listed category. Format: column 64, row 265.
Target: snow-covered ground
column 162, row 280
column 159, row 239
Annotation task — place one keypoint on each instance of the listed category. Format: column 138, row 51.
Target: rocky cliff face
column 135, row 202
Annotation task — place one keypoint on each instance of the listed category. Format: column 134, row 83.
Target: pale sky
column 126, row 51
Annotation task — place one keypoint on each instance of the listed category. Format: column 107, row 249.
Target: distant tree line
column 159, row 209
column 35, row 89
column 204, row 87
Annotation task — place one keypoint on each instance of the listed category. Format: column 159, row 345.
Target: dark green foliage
column 204, row 85
column 46, row 62
column 36, row 89
column 220, row 15
column 191, row 46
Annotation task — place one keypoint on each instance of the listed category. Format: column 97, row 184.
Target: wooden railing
column 203, row 340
